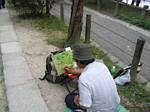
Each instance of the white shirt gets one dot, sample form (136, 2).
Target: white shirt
(97, 89)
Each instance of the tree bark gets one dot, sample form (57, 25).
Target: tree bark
(75, 26)
(47, 7)
(62, 10)
(14, 2)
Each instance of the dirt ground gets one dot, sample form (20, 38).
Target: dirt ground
(36, 50)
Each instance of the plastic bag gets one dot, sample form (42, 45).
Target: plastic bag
(124, 76)
(120, 108)
(66, 109)
(123, 79)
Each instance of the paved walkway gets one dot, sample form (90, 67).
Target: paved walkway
(116, 37)
(22, 91)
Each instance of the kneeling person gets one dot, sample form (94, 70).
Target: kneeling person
(97, 89)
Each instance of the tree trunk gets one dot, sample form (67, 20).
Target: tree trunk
(47, 7)
(62, 10)
(14, 2)
(75, 26)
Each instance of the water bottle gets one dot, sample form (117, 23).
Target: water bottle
(113, 71)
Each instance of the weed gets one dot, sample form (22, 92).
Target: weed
(134, 96)
(51, 24)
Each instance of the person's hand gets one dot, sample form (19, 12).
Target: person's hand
(67, 68)
(72, 70)
(76, 99)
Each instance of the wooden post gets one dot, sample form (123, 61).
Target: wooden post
(143, 13)
(62, 10)
(98, 3)
(88, 29)
(116, 8)
(136, 58)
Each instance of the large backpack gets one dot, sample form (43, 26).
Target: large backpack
(50, 73)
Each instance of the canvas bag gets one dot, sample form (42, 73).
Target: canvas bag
(55, 65)
(50, 73)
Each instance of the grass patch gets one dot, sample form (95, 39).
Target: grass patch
(55, 29)
(134, 97)
(134, 17)
(136, 21)
(57, 38)
(51, 23)
(100, 54)
(136, 91)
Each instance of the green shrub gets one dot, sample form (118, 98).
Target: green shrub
(32, 7)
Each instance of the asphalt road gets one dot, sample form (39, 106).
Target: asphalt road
(115, 37)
